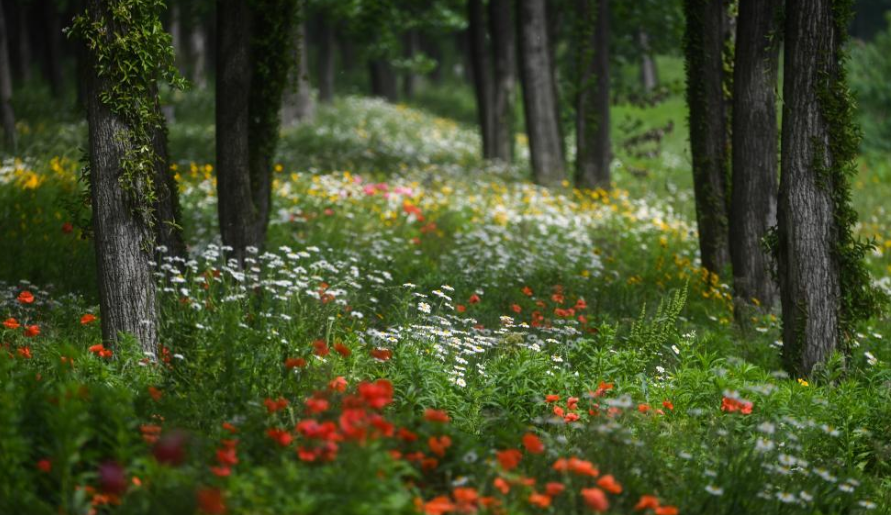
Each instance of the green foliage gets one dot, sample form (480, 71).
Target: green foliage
(652, 335)
(869, 72)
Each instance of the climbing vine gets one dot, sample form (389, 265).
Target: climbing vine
(131, 53)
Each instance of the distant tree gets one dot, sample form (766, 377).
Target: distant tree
(327, 42)
(709, 138)
(593, 149)
(52, 62)
(254, 42)
(298, 103)
(539, 94)
(482, 75)
(503, 39)
(128, 54)
(753, 203)
(6, 111)
(824, 286)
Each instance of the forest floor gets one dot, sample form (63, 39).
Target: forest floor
(423, 333)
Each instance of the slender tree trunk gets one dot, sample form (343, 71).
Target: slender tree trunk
(812, 175)
(176, 34)
(501, 27)
(465, 50)
(54, 47)
(298, 104)
(6, 112)
(347, 50)
(649, 75)
(482, 75)
(24, 43)
(754, 194)
(198, 54)
(326, 60)
(704, 45)
(121, 235)
(432, 48)
(539, 96)
(592, 111)
(168, 232)
(410, 81)
(237, 213)
(383, 80)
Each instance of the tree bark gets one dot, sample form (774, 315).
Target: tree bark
(501, 28)
(121, 235)
(383, 80)
(704, 45)
(482, 75)
(54, 47)
(753, 204)
(410, 81)
(6, 112)
(168, 231)
(539, 96)
(592, 110)
(298, 104)
(236, 210)
(176, 35)
(432, 48)
(809, 271)
(24, 43)
(326, 60)
(649, 75)
(198, 54)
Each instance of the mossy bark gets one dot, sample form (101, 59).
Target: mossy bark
(501, 28)
(593, 146)
(482, 75)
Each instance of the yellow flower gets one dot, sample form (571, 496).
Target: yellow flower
(802, 382)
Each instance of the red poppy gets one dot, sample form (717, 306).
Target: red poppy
(338, 384)
(438, 506)
(24, 352)
(315, 405)
(581, 304)
(647, 502)
(474, 299)
(280, 436)
(509, 459)
(731, 405)
(342, 349)
(516, 308)
(377, 394)
(32, 331)
(274, 405)
(643, 408)
(320, 348)
(552, 398)
(502, 485)
(554, 489)
(435, 415)
(533, 444)
(609, 483)
(227, 457)
(25, 297)
(210, 501)
(539, 500)
(572, 403)
(527, 291)
(602, 389)
(460, 308)
(11, 323)
(667, 405)
(291, 363)
(381, 354)
(88, 318)
(45, 466)
(100, 350)
(67, 227)
(595, 499)
(666, 510)
(438, 445)
(221, 471)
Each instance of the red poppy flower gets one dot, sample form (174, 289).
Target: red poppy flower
(552, 398)
(45, 466)
(666, 510)
(516, 308)
(11, 323)
(88, 318)
(320, 348)
(210, 501)
(502, 485)
(730, 405)
(439, 445)
(539, 500)
(315, 405)
(227, 457)
(32, 331)
(435, 415)
(602, 389)
(474, 299)
(647, 502)
(527, 291)
(155, 393)
(533, 444)
(24, 352)
(595, 499)
(280, 436)
(438, 506)
(67, 227)
(274, 405)
(554, 489)
(291, 363)
(509, 459)
(342, 349)
(338, 384)
(460, 308)
(609, 483)
(381, 354)
(25, 297)
(572, 403)
(667, 405)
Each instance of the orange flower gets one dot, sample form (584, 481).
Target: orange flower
(460, 308)
(32, 331)
(25, 297)
(552, 398)
(438, 506)
(731, 405)
(467, 499)
(338, 384)
(11, 323)
(539, 500)
(210, 501)
(100, 350)
(603, 388)
(291, 363)
(554, 489)
(25, 352)
(595, 499)
(229, 427)
(342, 349)
(155, 393)
(45, 466)
(502, 485)
(516, 308)
(509, 459)
(320, 348)
(280, 436)
(643, 408)
(647, 502)
(527, 291)
(576, 466)
(572, 403)
(439, 445)
(221, 471)
(435, 415)
(667, 405)
(381, 354)
(609, 483)
(666, 510)
(533, 444)
(88, 318)
(274, 405)
(474, 299)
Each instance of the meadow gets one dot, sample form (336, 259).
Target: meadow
(423, 333)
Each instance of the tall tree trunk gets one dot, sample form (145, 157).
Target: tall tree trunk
(410, 81)
(753, 204)
(501, 28)
(176, 34)
(54, 47)
(6, 112)
(326, 60)
(24, 43)
(298, 104)
(383, 80)
(815, 248)
(649, 75)
(539, 96)
(465, 50)
(704, 46)
(592, 111)
(347, 50)
(168, 232)
(432, 48)
(237, 213)
(482, 75)
(198, 54)
(121, 234)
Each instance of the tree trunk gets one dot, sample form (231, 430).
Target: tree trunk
(383, 80)
(754, 193)
(432, 48)
(410, 81)
(347, 50)
(649, 75)
(298, 104)
(198, 54)
(704, 45)
(539, 96)
(6, 112)
(464, 46)
(24, 43)
(236, 210)
(54, 47)
(121, 234)
(168, 232)
(176, 35)
(482, 75)
(808, 230)
(326, 60)
(501, 28)
(592, 111)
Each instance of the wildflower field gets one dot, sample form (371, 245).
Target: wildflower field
(423, 333)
